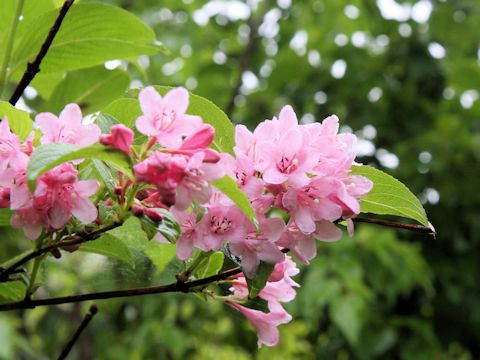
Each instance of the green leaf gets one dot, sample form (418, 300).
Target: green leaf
(131, 234)
(213, 115)
(124, 111)
(348, 313)
(48, 156)
(13, 290)
(19, 120)
(169, 228)
(91, 88)
(389, 196)
(105, 122)
(102, 172)
(160, 254)
(229, 187)
(110, 246)
(5, 215)
(90, 35)
(210, 265)
(260, 279)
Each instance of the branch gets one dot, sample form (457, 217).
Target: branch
(184, 287)
(86, 320)
(412, 227)
(71, 241)
(33, 67)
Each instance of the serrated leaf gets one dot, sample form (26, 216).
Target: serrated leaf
(169, 228)
(13, 290)
(229, 187)
(110, 246)
(90, 35)
(5, 215)
(256, 284)
(210, 265)
(91, 88)
(103, 172)
(389, 196)
(160, 254)
(19, 120)
(48, 156)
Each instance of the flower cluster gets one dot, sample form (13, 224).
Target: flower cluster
(59, 193)
(301, 173)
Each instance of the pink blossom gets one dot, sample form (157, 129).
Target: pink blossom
(195, 185)
(30, 220)
(120, 137)
(189, 238)
(10, 147)
(265, 323)
(165, 118)
(59, 194)
(254, 247)
(67, 128)
(165, 171)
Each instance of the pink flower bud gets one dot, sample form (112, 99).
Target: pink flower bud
(5, 198)
(137, 210)
(199, 140)
(153, 214)
(120, 137)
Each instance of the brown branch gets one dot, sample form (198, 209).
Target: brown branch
(71, 241)
(33, 67)
(86, 320)
(412, 227)
(184, 287)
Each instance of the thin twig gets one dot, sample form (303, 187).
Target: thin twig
(33, 67)
(412, 227)
(86, 320)
(73, 240)
(184, 287)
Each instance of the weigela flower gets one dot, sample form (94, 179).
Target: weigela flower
(67, 128)
(165, 118)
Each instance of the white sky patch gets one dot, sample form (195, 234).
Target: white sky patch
(21, 105)
(382, 40)
(341, 39)
(30, 93)
(269, 27)
(233, 10)
(387, 159)
(307, 118)
(431, 196)
(284, 4)
(172, 67)
(219, 57)
(404, 30)
(314, 58)
(391, 10)
(299, 42)
(359, 39)
(364, 147)
(267, 68)
(135, 84)
(421, 11)
(249, 82)
(369, 132)
(113, 64)
(320, 97)
(436, 50)
(351, 11)
(375, 94)
(468, 98)
(143, 61)
(448, 93)
(186, 51)
(338, 69)
(425, 157)
(191, 83)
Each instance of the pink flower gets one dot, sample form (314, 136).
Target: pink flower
(67, 128)
(59, 194)
(165, 118)
(120, 137)
(189, 237)
(30, 220)
(10, 147)
(195, 184)
(165, 171)
(265, 323)
(254, 247)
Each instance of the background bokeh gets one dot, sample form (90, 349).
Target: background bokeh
(404, 77)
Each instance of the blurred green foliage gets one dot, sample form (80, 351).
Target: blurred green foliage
(407, 87)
